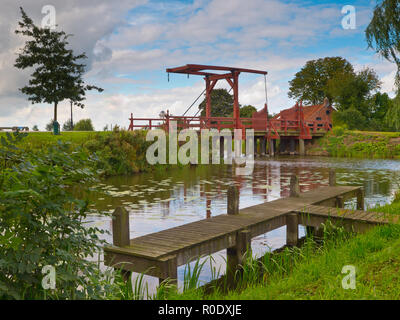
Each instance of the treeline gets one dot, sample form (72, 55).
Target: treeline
(355, 95)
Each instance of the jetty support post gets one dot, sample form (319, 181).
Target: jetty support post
(236, 255)
(294, 186)
(120, 230)
(170, 271)
(332, 178)
(360, 199)
(292, 229)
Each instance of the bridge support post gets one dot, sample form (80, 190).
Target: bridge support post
(120, 230)
(360, 199)
(292, 146)
(221, 147)
(255, 146)
(302, 151)
(282, 146)
(292, 229)
(263, 146)
(271, 147)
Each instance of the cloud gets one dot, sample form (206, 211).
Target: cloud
(130, 43)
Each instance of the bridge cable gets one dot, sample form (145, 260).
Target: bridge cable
(194, 102)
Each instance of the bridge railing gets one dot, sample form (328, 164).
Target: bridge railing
(274, 126)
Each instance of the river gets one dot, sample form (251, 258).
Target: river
(161, 200)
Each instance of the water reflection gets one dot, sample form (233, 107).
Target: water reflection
(162, 200)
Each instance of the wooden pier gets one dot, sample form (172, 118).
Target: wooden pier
(159, 254)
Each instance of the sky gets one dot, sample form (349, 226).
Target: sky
(130, 43)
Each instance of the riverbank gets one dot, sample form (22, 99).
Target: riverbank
(358, 144)
(117, 152)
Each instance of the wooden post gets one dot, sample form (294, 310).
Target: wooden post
(170, 271)
(360, 199)
(292, 146)
(233, 200)
(120, 227)
(292, 229)
(263, 146)
(221, 147)
(271, 147)
(332, 178)
(302, 151)
(294, 186)
(121, 237)
(339, 202)
(236, 255)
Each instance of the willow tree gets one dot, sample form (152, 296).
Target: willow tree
(383, 35)
(383, 32)
(57, 75)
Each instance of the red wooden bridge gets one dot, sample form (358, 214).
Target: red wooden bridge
(296, 123)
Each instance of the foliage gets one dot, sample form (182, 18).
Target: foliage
(221, 103)
(358, 144)
(383, 32)
(44, 224)
(247, 111)
(353, 90)
(310, 83)
(392, 117)
(352, 118)
(84, 125)
(35, 128)
(120, 152)
(49, 126)
(58, 75)
(68, 126)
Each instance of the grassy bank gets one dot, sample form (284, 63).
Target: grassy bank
(315, 272)
(115, 152)
(363, 144)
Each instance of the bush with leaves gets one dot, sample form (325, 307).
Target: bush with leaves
(84, 125)
(120, 152)
(43, 223)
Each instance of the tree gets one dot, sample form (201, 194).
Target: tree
(67, 126)
(247, 111)
(50, 125)
(84, 125)
(383, 32)
(310, 83)
(221, 103)
(392, 117)
(353, 89)
(57, 75)
(35, 128)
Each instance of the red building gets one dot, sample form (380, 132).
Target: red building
(318, 116)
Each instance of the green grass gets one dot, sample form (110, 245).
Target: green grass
(362, 144)
(315, 272)
(39, 140)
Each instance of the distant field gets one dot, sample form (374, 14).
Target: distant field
(38, 140)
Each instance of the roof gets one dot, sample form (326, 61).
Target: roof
(308, 111)
(199, 69)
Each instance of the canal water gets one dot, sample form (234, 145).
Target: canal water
(162, 200)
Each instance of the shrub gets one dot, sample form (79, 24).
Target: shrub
(84, 125)
(42, 223)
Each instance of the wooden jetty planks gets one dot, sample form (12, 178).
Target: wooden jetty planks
(182, 244)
